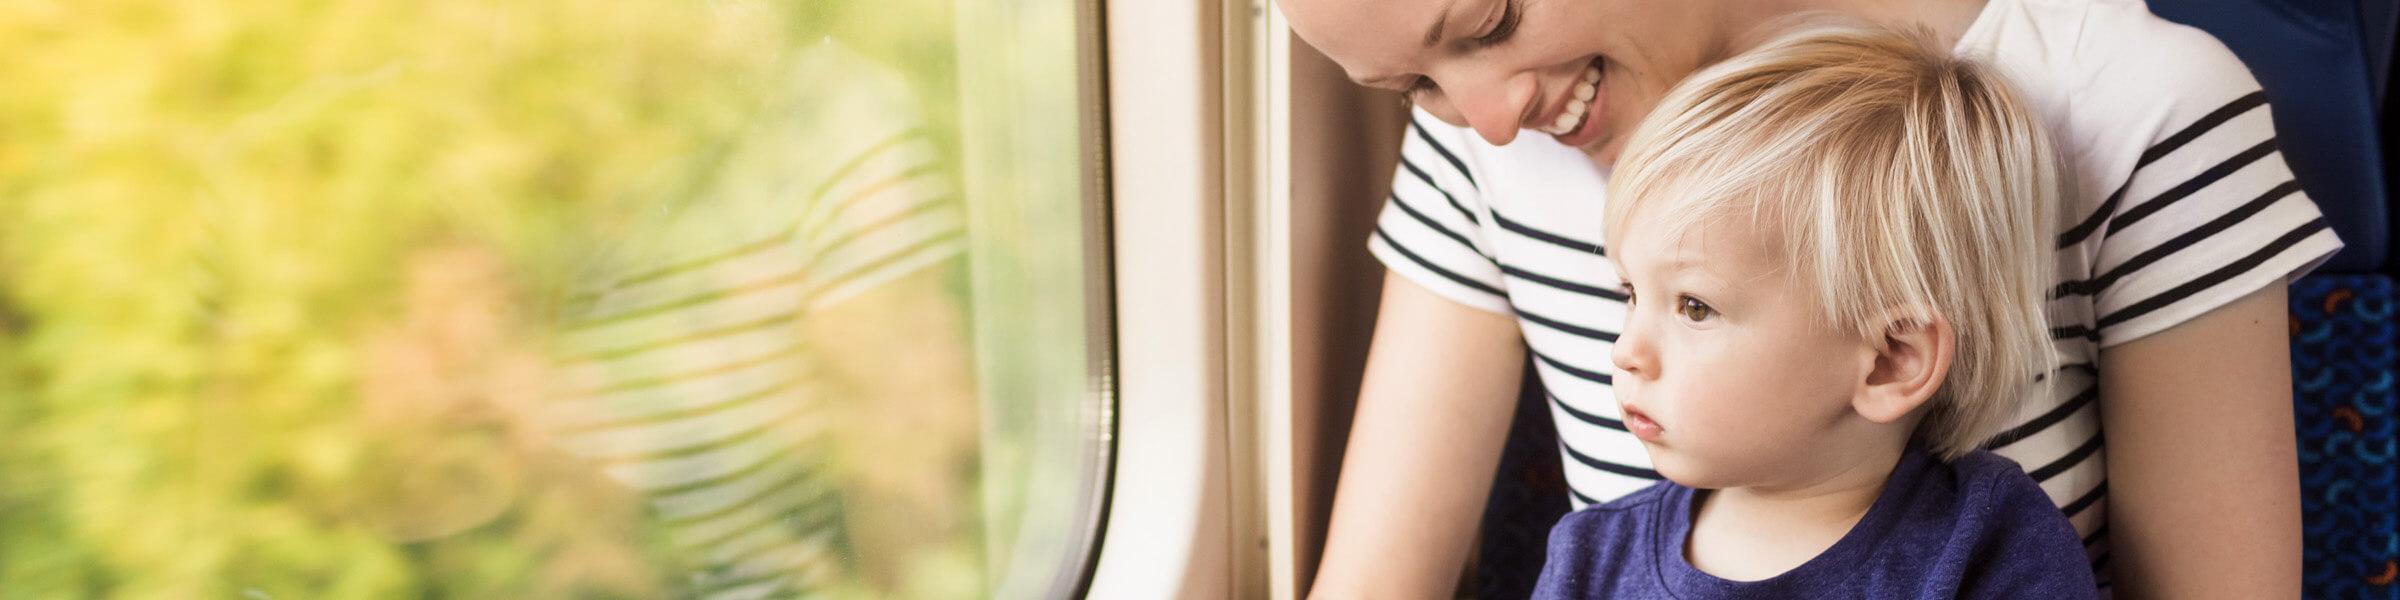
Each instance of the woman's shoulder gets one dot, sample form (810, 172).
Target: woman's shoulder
(2113, 56)
(2118, 86)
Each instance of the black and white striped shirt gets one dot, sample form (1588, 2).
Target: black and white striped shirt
(2182, 204)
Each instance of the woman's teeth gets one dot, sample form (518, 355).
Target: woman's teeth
(1584, 92)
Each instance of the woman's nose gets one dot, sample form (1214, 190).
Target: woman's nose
(1495, 107)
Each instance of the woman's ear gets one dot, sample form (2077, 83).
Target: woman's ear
(1909, 368)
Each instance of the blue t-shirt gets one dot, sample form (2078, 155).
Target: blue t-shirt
(1977, 527)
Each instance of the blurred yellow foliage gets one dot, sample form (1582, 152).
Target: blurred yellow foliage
(272, 275)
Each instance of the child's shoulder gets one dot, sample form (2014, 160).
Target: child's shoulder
(1620, 514)
(1983, 464)
(1995, 494)
(1984, 473)
(1978, 526)
(1595, 552)
(1642, 500)
(2010, 540)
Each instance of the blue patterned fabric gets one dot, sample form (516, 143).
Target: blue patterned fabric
(2343, 364)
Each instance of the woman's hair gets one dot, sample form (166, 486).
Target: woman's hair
(1903, 182)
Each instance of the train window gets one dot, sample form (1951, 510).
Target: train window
(551, 298)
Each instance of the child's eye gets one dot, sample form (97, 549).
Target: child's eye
(1694, 309)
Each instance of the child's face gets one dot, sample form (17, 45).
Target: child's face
(1727, 371)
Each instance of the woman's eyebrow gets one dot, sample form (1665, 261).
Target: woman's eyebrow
(1381, 82)
(1433, 35)
(1368, 82)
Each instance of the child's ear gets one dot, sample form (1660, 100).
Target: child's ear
(1909, 368)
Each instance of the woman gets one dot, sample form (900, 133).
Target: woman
(2182, 226)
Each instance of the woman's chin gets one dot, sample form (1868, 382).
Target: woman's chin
(1604, 153)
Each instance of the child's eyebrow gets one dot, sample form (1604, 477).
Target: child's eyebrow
(1678, 265)
(1688, 272)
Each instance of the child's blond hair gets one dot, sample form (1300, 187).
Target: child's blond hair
(1903, 181)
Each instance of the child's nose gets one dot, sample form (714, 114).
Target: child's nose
(1632, 354)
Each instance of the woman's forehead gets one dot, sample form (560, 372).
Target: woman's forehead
(1372, 39)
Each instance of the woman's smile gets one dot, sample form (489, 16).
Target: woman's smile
(1581, 105)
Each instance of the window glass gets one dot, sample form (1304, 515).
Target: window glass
(548, 298)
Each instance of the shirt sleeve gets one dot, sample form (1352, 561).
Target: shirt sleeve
(889, 206)
(890, 215)
(1430, 230)
(2210, 212)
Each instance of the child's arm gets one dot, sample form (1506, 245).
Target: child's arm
(2204, 498)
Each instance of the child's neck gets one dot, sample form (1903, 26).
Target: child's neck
(1758, 532)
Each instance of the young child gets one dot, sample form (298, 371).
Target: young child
(1834, 247)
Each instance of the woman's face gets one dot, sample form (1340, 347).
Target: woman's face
(1500, 66)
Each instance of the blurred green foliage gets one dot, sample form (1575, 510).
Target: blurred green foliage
(273, 277)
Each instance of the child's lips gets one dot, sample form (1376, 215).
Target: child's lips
(1641, 426)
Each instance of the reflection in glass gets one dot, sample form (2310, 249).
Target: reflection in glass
(712, 299)
(789, 312)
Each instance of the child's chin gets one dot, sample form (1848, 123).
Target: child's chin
(1684, 471)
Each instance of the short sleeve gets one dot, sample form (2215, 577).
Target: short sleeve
(2210, 212)
(680, 360)
(1430, 230)
(891, 214)
(829, 193)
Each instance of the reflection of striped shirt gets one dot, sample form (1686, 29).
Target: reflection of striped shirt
(2183, 205)
(689, 381)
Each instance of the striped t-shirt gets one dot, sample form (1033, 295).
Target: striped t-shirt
(2180, 204)
(686, 377)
